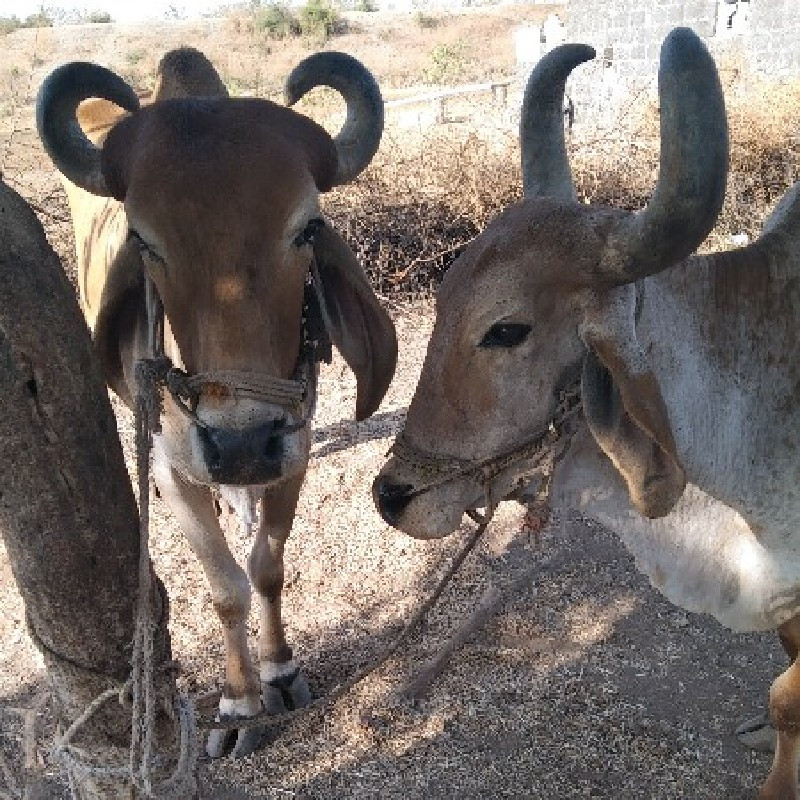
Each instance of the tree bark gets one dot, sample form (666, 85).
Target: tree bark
(67, 510)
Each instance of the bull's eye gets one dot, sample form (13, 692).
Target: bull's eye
(306, 236)
(505, 334)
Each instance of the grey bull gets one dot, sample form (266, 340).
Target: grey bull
(687, 367)
(207, 207)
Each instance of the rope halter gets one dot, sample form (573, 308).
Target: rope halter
(441, 470)
(295, 394)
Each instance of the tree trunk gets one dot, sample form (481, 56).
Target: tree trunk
(67, 511)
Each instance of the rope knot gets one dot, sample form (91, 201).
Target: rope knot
(151, 373)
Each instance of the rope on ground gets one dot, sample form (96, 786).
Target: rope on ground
(271, 720)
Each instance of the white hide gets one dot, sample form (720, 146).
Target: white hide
(724, 345)
(703, 556)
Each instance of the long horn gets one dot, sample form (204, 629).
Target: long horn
(693, 170)
(545, 168)
(358, 140)
(56, 106)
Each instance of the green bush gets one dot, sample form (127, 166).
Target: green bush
(133, 57)
(424, 20)
(276, 21)
(99, 16)
(39, 20)
(448, 62)
(366, 5)
(319, 19)
(9, 24)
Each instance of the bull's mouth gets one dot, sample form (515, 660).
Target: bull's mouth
(426, 495)
(435, 511)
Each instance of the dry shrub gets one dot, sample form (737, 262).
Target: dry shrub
(420, 203)
(425, 197)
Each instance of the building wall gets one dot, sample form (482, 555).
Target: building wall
(774, 39)
(765, 33)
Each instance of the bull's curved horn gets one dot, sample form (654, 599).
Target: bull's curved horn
(358, 140)
(545, 168)
(56, 106)
(693, 169)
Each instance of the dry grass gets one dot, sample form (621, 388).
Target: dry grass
(429, 192)
(423, 199)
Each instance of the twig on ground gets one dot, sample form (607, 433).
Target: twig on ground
(264, 719)
(490, 604)
(399, 276)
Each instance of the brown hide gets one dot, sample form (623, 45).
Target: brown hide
(231, 277)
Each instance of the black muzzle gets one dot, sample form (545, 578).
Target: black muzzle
(247, 457)
(391, 499)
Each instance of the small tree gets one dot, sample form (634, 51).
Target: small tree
(99, 17)
(276, 21)
(320, 20)
(68, 515)
(41, 19)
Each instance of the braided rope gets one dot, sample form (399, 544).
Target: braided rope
(181, 783)
(142, 761)
(441, 470)
(257, 385)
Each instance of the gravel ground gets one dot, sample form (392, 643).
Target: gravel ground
(586, 684)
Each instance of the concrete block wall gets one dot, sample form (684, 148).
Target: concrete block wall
(636, 28)
(629, 34)
(773, 42)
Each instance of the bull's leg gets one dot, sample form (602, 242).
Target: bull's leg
(784, 712)
(282, 684)
(757, 732)
(230, 593)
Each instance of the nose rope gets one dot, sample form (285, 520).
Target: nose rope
(441, 470)
(294, 394)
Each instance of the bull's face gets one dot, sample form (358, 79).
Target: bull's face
(504, 344)
(221, 199)
(546, 294)
(230, 266)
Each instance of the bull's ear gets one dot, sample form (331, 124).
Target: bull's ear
(97, 117)
(358, 325)
(119, 150)
(120, 301)
(626, 414)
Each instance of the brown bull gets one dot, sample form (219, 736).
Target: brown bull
(214, 203)
(687, 367)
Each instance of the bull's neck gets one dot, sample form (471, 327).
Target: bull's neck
(709, 326)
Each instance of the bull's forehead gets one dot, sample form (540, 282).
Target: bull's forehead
(206, 160)
(532, 245)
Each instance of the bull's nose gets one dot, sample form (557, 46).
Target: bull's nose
(391, 499)
(250, 456)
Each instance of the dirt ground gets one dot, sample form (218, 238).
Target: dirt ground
(586, 684)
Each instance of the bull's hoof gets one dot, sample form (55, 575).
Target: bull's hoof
(757, 734)
(237, 742)
(283, 688)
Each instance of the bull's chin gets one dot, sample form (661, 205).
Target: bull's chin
(429, 523)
